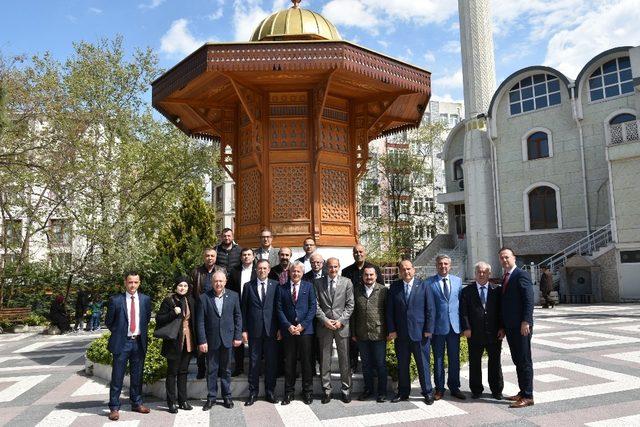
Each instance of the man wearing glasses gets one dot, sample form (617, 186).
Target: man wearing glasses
(266, 250)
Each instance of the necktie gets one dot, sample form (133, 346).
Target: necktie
(295, 294)
(483, 297)
(332, 288)
(505, 282)
(407, 291)
(263, 292)
(132, 320)
(446, 288)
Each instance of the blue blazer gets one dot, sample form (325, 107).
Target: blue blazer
(215, 330)
(260, 317)
(517, 301)
(302, 312)
(410, 319)
(447, 312)
(118, 321)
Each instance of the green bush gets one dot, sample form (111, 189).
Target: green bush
(155, 365)
(36, 320)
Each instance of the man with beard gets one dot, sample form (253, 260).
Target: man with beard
(228, 252)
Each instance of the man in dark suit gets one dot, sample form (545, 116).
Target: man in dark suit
(260, 330)
(318, 269)
(280, 273)
(445, 289)
(410, 322)
(517, 316)
(297, 305)
(240, 276)
(354, 273)
(266, 250)
(219, 323)
(309, 247)
(128, 320)
(481, 323)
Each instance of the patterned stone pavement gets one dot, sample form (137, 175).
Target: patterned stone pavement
(586, 360)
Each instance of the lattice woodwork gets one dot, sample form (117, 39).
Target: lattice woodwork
(288, 98)
(291, 134)
(334, 137)
(290, 192)
(335, 195)
(249, 203)
(334, 114)
(288, 111)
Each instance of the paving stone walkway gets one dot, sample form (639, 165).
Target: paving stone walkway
(586, 361)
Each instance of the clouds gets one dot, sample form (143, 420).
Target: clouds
(151, 5)
(448, 81)
(178, 40)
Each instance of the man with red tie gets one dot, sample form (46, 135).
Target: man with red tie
(128, 320)
(517, 316)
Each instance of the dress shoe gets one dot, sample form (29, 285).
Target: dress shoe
(497, 396)
(399, 398)
(208, 405)
(227, 402)
(237, 372)
(114, 415)
(429, 399)
(364, 395)
(476, 395)
(251, 400)
(271, 399)
(437, 395)
(513, 398)
(458, 394)
(522, 403)
(346, 398)
(185, 405)
(307, 399)
(326, 398)
(173, 408)
(141, 409)
(287, 399)
(381, 399)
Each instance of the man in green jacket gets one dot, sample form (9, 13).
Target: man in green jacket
(369, 329)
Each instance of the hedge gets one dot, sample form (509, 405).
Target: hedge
(392, 360)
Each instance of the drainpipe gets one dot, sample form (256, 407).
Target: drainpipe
(496, 185)
(572, 87)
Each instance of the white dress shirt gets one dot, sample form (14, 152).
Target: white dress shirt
(410, 286)
(295, 286)
(266, 287)
(368, 290)
(245, 276)
(307, 263)
(137, 305)
(486, 291)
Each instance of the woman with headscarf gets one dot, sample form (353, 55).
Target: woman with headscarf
(178, 352)
(58, 314)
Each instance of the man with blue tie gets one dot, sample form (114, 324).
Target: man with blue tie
(446, 289)
(297, 305)
(410, 319)
(219, 326)
(128, 320)
(260, 330)
(517, 316)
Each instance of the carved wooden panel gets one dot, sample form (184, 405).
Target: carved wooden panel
(336, 229)
(288, 111)
(335, 114)
(245, 137)
(288, 134)
(288, 98)
(335, 195)
(290, 228)
(334, 137)
(290, 192)
(249, 197)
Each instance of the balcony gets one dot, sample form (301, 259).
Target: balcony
(620, 133)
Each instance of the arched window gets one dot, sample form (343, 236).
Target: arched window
(537, 146)
(612, 78)
(534, 92)
(621, 118)
(458, 174)
(542, 208)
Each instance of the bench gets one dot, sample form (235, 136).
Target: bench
(14, 314)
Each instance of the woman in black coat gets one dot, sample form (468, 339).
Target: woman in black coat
(179, 351)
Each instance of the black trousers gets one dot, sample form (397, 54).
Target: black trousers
(294, 345)
(496, 382)
(521, 355)
(238, 357)
(177, 370)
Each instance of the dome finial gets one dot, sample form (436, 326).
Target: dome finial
(296, 3)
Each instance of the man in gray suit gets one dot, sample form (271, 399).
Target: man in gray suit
(335, 305)
(266, 250)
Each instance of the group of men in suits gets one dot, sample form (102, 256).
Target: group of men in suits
(266, 304)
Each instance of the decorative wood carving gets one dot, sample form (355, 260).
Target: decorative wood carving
(249, 200)
(290, 228)
(344, 230)
(334, 137)
(288, 134)
(335, 195)
(290, 199)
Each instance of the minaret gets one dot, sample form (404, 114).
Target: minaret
(478, 72)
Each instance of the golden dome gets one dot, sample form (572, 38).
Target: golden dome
(295, 23)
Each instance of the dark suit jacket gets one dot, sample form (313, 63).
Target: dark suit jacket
(260, 317)
(172, 349)
(517, 300)
(215, 330)
(235, 277)
(118, 321)
(410, 319)
(483, 323)
(352, 273)
(302, 312)
(310, 276)
(274, 274)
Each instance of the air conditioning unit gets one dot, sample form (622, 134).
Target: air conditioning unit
(461, 184)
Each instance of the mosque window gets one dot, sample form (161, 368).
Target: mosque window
(534, 92)
(457, 170)
(537, 146)
(611, 79)
(542, 208)
(621, 118)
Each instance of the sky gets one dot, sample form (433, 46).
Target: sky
(563, 34)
